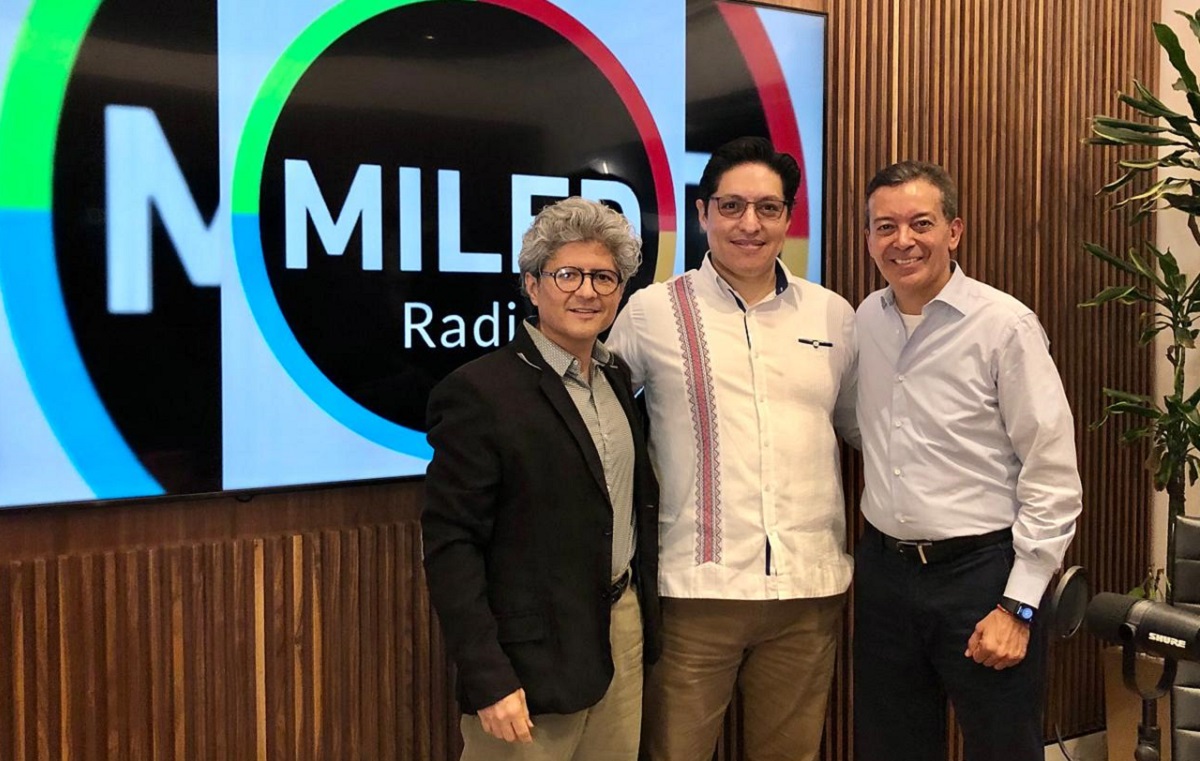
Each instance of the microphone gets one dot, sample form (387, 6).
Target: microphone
(1152, 627)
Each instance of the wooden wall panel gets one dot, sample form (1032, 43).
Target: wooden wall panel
(296, 626)
(999, 93)
(312, 645)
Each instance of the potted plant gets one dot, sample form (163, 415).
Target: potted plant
(1168, 168)
(1169, 298)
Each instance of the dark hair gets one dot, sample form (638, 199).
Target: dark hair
(750, 150)
(905, 172)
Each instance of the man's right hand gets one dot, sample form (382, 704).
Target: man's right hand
(508, 719)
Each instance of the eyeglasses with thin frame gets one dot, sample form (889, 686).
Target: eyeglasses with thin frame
(733, 207)
(570, 279)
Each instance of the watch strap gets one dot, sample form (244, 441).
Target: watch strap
(1021, 611)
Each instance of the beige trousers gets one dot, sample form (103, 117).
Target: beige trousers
(608, 731)
(779, 652)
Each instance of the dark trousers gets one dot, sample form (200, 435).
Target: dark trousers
(911, 626)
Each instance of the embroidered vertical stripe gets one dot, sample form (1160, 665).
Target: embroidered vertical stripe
(697, 370)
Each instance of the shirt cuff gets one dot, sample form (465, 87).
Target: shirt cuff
(1027, 582)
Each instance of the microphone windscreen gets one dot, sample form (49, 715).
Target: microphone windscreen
(1107, 612)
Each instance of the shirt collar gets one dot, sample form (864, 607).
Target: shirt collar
(559, 359)
(956, 293)
(782, 277)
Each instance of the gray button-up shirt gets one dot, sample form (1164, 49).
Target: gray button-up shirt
(605, 419)
(966, 428)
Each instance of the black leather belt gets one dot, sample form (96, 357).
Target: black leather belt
(618, 588)
(927, 551)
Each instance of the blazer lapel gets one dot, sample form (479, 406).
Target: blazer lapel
(552, 386)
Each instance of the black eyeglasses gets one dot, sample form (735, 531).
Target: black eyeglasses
(570, 279)
(734, 207)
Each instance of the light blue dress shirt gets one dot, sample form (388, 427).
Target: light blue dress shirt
(966, 428)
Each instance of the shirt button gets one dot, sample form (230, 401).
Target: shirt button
(895, 471)
(901, 519)
(899, 378)
(899, 423)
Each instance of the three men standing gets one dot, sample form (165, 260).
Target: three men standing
(540, 524)
(971, 497)
(542, 506)
(746, 370)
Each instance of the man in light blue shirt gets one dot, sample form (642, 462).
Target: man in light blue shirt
(972, 491)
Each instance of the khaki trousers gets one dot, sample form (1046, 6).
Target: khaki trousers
(779, 652)
(608, 731)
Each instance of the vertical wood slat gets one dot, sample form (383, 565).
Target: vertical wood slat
(1009, 86)
(296, 646)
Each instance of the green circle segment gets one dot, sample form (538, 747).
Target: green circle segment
(278, 86)
(33, 93)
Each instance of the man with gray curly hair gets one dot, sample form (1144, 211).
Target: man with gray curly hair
(540, 523)
(573, 220)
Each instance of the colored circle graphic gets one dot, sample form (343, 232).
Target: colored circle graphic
(274, 134)
(30, 120)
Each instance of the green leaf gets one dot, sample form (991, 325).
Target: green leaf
(1133, 434)
(1162, 474)
(1170, 43)
(1120, 182)
(1193, 291)
(1111, 293)
(1193, 20)
(1103, 255)
(1132, 126)
(1182, 125)
(1194, 399)
(1143, 166)
(1180, 158)
(1166, 262)
(1148, 103)
(1125, 396)
(1147, 335)
(1151, 195)
(1144, 269)
(1188, 204)
(1174, 158)
(1184, 338)
(1119, 136)
(1191, 416)
(1135, 408)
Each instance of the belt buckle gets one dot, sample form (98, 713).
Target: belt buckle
(919, 546)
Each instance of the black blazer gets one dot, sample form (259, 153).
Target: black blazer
(517, 530)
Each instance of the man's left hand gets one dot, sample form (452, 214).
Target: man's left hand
(999, 641)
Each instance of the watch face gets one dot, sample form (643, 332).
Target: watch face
(1019, 610)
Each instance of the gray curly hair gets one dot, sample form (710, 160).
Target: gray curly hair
(577, 219)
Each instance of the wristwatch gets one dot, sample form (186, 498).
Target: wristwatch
(1018, 610)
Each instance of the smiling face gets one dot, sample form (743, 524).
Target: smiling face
(744, 249)
(910, 240)
(574, 320)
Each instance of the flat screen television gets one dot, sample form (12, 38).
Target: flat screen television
(241, 240)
